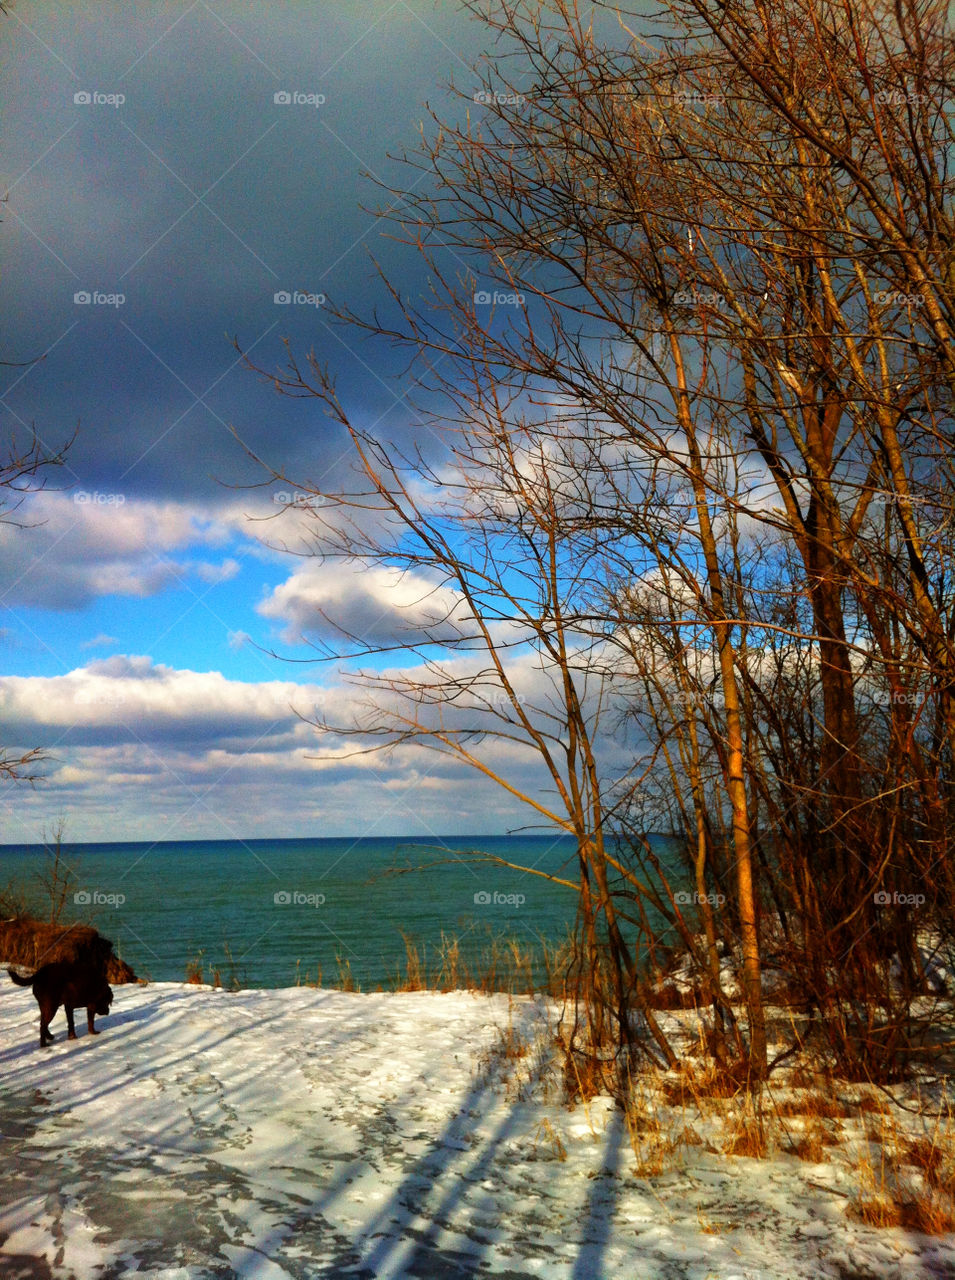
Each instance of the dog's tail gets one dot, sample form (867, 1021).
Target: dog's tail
(21, 982)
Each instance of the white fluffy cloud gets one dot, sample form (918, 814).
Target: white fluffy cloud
(78, 546)
(138, 750)
(124, 699)
(71, 547)
(376, 604)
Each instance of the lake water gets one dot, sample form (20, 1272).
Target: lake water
(289, 908)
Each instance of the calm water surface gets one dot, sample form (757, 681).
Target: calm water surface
(287, 908)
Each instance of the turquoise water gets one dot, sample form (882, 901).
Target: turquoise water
(287, 908)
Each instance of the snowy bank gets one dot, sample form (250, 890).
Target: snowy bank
(307, 1133)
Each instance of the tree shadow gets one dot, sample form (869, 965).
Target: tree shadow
(602, 1201)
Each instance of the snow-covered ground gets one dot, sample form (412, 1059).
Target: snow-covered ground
(305, 1133)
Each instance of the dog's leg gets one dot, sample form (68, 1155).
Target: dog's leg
(46, 1013)
(69, 1021)
(90, 1012)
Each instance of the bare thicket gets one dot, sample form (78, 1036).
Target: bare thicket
(694, 503)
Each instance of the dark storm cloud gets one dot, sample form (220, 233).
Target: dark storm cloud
(195, 200)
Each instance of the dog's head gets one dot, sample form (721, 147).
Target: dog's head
(104, 998)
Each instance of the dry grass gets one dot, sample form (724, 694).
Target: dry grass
(935, 1161)
(657, 1147)
(902, 1181)
(345, 980)
(501, 965)
(525, 1067)
(656, 1158)
(547, 1133)
(414, 977)
(700, 1086)
(706, 1226)
(656, 1151)
(804, 1077)
(911, 1183)
(924, 1211)
(748, 1137)
(583, 1075)
(871, 1102)
(306, 979)
(815, 1104)
(512, 1046)
(195, 971)
(31, 943)
(811, 1143)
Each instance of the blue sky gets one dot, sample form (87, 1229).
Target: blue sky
(159, 196)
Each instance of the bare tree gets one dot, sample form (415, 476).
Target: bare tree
(689, 346)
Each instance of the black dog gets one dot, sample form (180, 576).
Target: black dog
(72, 986)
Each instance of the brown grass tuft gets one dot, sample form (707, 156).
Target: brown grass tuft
(748, 1139)
(583, 1072)
(816, 1104)
(936, 1162)
(922, 1199)
(871, 1102)
(31, 943)
(811, 1144)
(547, 1132)
(927, 1213)
(346, 981)
(694, 1085)
(875, 1211)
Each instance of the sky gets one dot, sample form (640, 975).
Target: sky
(173, 173)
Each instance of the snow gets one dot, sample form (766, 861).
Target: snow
(309, 1133)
